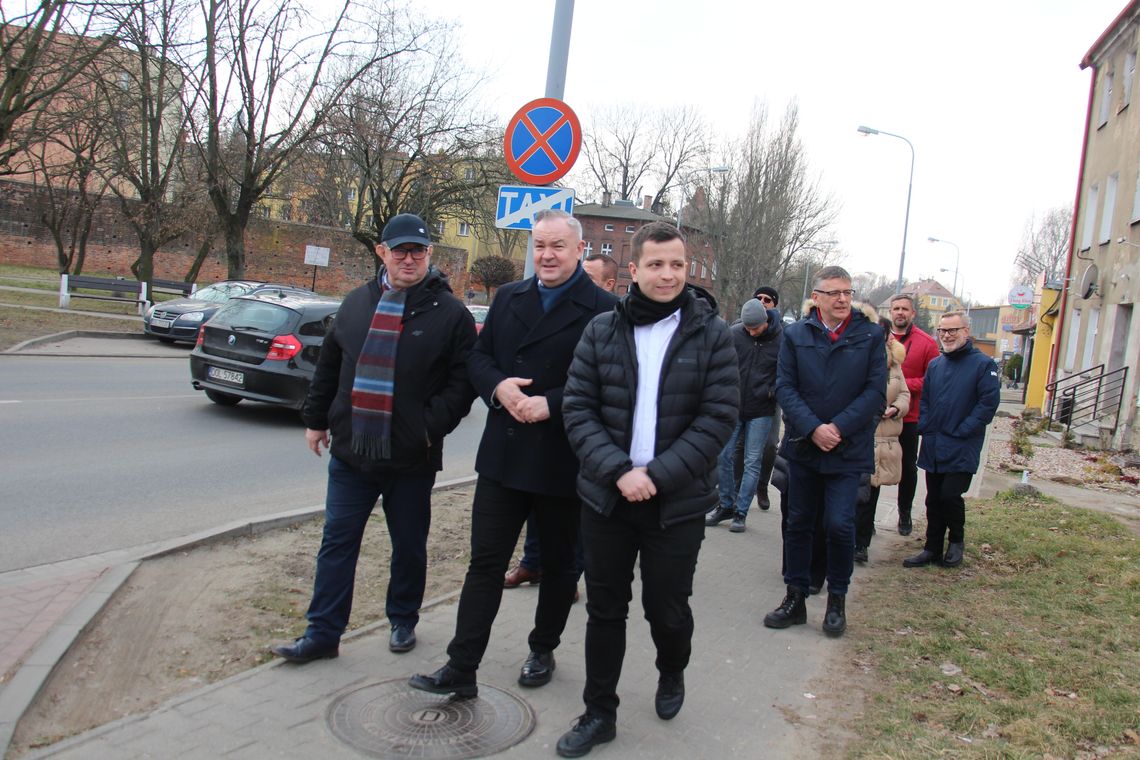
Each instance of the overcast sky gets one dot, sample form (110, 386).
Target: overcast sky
(990, 94)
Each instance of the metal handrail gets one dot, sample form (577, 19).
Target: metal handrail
(1081, 398)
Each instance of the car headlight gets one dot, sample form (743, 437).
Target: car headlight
(192, 316)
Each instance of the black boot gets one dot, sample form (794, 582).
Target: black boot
(905, 525)
(792, 611)
(767, 462)
(953, 556)
(835, 619)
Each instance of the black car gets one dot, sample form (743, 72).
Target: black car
(179, 319)
(262, 347)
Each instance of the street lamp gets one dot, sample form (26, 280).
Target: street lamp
(957, 256)
(910, 185)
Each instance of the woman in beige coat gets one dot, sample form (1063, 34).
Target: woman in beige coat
(888, 452)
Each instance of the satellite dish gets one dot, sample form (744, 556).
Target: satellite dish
(1088, 282)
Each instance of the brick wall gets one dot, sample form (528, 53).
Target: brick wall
(275, 250)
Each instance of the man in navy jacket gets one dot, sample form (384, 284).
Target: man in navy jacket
(831, 384)
(960, 394)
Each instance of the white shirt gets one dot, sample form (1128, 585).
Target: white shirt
(651, 341)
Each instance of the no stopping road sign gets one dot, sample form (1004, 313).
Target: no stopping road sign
(542, 141)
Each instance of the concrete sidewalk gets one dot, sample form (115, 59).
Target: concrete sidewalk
(749, 689)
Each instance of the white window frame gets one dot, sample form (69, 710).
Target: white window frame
(1136, 198)
(1109, 204)
(608, 249)
(587, 250)
(609, 228)
(630, 228)
(1129, 78)
(464, 229)
(1106, 97)
(1074, 339)
(439, 227)
(704, 272)
(1092, 195)
(693, 268)
(1090, 338)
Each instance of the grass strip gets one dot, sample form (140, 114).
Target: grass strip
(1030, 649)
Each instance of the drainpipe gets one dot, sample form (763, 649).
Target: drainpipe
(1060, 325)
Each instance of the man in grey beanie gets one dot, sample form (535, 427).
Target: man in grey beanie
(757, 337)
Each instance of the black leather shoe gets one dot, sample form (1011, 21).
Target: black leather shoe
(403, 639)
(537, 670)
(446, 680)
(670, 695)
(719, 515)
(305, 650)
(922, 559)
(861, 555)
(792, 611)
(835, 619)
(905, 526)
(590, 730)
(953, 556)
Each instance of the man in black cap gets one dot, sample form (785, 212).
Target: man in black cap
(390, 383)
(757, 338)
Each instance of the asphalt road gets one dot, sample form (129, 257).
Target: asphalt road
(109, 453)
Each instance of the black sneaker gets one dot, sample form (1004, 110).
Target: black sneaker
(588, 731)
(737, 523)
(719, 515)
(835, 619)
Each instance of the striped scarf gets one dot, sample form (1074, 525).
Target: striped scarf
(374, 386)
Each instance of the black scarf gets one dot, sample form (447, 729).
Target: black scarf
(643, 310)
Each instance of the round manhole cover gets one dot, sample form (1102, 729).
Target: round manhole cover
(391, 719)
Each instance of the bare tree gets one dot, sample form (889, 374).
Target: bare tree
(628, 149)
(766, 215)
(42, 51)
(873, 288)
(270, 85)
(1044, 246)
(408, 138)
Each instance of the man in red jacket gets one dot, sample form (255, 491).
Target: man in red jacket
(920, 350)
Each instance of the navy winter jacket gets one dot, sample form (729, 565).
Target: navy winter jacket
(842, 382)
(959, 397)
(757, 357)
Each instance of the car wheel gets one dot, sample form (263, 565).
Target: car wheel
(222, 399)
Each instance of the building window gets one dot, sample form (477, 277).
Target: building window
(464, 229)
(1109, 205)
(1074, 338)
(629, 228)
(469, 174)
(609, 228)
(704, 272)
(439, 228)
(1106, 96)
(587, 250)
(1091, 198)
(1129, 77)
(1090, 338)
(350, 194)
(607, 249)
(1136, 198)
(693, 268)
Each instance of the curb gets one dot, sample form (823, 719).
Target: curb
(19, 348)
(19, 694)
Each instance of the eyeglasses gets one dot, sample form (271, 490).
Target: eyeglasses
(835, 293)
(949, 331)
(765, 299)
(417, 253)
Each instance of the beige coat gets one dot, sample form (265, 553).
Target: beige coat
(888, 452)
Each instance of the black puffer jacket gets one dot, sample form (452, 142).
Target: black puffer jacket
(697, 408)
(757, 358)
(432, 390)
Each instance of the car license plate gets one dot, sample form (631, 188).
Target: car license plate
(225, 376)
(163, 323)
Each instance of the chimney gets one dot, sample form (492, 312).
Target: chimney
(605, 198)
(647, 203)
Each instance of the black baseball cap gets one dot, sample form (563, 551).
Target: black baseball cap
(405, 228)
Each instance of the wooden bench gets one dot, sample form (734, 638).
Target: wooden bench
(113, 290)
(173, 286)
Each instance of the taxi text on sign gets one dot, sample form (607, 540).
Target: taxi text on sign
(519, 203)
(542, 141)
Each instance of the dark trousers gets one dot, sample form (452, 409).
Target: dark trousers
(945, 508)
(908, 440)
(350, 499)
(498, 514)
(809, 492)
(865, 518)
(818, 545)
(668, 561)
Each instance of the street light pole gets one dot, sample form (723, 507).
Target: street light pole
(909, 187)
(957, 256)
